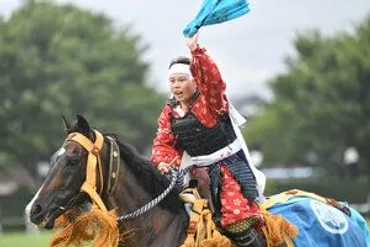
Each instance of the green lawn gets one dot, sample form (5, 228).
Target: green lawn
(24, 240)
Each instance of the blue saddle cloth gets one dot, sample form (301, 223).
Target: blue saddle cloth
(322, 225)
(214, 12)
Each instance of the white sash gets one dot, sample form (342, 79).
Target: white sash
(238, 121)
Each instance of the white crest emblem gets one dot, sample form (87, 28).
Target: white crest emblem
(330, 218)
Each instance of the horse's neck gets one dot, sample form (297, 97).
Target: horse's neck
(158, 226)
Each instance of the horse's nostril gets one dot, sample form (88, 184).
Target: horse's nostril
(36, 209)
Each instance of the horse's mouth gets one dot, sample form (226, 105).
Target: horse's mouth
(49, 221)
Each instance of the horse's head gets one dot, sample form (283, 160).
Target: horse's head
(62, 186)
(110, 176)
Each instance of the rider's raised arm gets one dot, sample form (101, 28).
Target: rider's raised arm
(209, 81)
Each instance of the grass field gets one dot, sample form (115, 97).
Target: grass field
(23, 240)
(42, 240)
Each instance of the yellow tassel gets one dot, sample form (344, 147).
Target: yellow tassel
(217, 240)
(189, 242)
(277, 229)
(95, 225)
(214, 237)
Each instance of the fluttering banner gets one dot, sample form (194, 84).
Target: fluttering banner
(215, 12)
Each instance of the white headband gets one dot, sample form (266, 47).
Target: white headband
(179, 68)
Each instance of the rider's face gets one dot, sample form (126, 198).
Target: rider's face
(182, 86)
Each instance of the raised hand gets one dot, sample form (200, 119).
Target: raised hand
(192, 42)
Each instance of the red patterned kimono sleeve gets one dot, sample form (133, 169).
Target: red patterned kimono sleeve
(209, 81)
(164, 143)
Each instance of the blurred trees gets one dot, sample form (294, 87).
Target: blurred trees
(321, 105)
(59, 59)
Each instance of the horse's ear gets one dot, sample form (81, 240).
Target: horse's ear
(66, 125)
(82, 124)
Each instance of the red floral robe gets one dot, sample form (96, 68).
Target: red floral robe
(210, 104)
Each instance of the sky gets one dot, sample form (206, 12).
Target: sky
(248, 50)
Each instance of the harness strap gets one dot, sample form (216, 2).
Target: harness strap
(93, 149)
(114, 166)
(195, 222)
(201, 230)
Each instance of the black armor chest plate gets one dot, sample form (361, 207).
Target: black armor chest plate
(196, 139)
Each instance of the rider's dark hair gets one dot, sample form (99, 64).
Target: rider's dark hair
(181, 59)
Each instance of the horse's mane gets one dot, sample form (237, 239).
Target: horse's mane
(150, 178)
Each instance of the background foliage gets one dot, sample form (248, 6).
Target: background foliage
(60, 59)
(321, 104)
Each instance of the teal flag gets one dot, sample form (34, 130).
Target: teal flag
(216, 11)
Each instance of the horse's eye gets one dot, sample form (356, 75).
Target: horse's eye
(73, 161)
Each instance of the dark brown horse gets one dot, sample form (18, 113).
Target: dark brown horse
(138, 183)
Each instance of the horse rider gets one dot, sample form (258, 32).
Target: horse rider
(199, 126)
